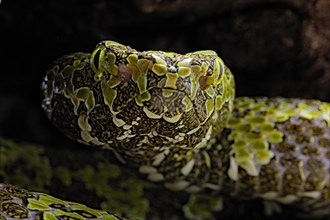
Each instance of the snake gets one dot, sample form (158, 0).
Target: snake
(174, 120)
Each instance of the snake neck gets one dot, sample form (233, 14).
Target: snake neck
(276, 149)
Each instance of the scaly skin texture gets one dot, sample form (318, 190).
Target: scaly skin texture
(279, 150)
(167, 116)
(132, 102)
(18, 203)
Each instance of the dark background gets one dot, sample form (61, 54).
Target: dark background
(274, 48)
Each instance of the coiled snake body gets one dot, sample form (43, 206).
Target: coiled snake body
(174, 119)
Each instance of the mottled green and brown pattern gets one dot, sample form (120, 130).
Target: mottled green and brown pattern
(16, 203)
(173, 118)
(279, 150)
(118, 95)
(160, 112)
(151, 108)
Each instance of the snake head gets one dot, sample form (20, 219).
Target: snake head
(139, 103)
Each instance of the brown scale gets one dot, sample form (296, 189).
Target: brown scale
(323, 203)
(316, 131)
(171, 165)
(221, 158)
(198, 176)
(99, 111)
(100, 129)
(99, 100)
(183, 84)
(155, 81)
(246, 184)
(219, 164)
(14, 210)
(17, 192)
(63, 117)
(167, 59)
(293, 129)
(212, 174)
(292, 178)
(160, 83)
(129, 113)
(191, 139)
(102, 125)
(174, 104)
(304, 122)
(164, 129)
(156, 103)
(315, 180)
(196, 137)
(144, 124)
(190, 122)
(178, 58)
(147, 55)
(325, 193)
(199, 106)
(285, 147)
(5, 195)
(289, 160)
(324, 142)
(314, 164)
(303, 139)
(310, 151)
(317, 175)
(120, 51)
(327, 154)
(269, 177)
(83, 78)
(125, 93)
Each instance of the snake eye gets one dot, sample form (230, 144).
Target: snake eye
(96, 59)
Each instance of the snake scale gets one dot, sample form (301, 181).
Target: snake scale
(174, 119)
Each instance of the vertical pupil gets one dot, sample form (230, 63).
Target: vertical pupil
(96, 59)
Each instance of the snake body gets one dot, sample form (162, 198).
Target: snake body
(174, 119)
